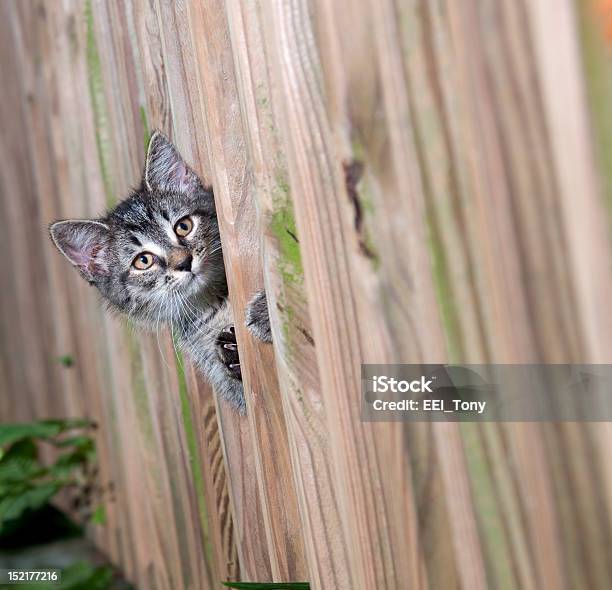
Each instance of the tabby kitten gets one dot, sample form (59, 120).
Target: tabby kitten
(156, 257)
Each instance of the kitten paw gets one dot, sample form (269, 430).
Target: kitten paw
(227, 350)
(257, 318)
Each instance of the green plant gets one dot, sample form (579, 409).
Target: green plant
(80, 575)
(268, 585)
(26, 484)
(84, 575)
(65, 360)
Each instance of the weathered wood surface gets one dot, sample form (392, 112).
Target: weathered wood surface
(82, 145)
(413, 181)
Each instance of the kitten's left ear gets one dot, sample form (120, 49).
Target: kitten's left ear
(85, 243)
(165, 170)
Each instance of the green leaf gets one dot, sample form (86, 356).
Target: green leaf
(99, 515)
(268, 585)
(84, 576)
(66, 360)
(83, 446)
(10, 433)
(20, 469)
(25, 483)
(25, 448)
(44, 429)
(67, 464)
(69, 423)
(12, 506)
(79, 442)
(20, 464)
(80, 575)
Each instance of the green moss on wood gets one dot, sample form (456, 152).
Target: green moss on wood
(444, 292)
(66, 360)
(282, 225)
(194, 455)
(98, 104)
(597, 59)
(289, 261)
(139, 387)
(357, 148)
(498, 553)
(266, 115)
(145, 128)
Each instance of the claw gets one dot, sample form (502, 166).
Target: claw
(230, 346)
(235, 369)
(229, 330)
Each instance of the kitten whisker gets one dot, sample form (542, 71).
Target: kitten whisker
(131, 255)
(158, 342)
(206, 336)
(176, 352)
(195, 319)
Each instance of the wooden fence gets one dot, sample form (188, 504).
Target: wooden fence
(413, 181)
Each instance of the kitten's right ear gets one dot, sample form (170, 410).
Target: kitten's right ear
(85, 243)
(165, 170)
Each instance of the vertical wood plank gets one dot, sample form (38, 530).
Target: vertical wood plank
(231, 179)
(368, 460)
(431, 183)
(303, 403)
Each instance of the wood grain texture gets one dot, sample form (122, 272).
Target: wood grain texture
(412, 181)
(232, 181)
(86, 148)
(368, 462)
(303, 403)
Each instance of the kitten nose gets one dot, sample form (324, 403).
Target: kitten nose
(181, 261)
(185, 264)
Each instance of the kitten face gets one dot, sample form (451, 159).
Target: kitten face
(164, 248)
(159, 250)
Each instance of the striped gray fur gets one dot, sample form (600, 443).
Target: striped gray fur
(145, 268)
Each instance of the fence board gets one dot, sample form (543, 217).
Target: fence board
(231, 178)
(362, 455)
(426, 181)
(296, 361)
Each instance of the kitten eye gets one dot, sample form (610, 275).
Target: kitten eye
(143, 261)
(183, 227)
